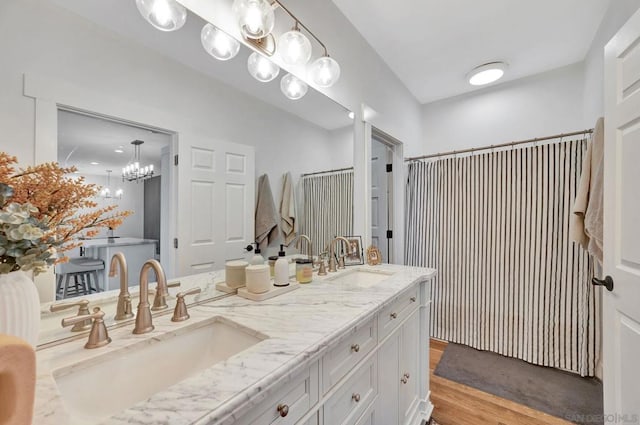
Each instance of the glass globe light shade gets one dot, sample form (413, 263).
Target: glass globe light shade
(294, 48)
(325, 71)
(261, 68)
(293, 87)
(219, 44)
(255, 17)
(165, 15)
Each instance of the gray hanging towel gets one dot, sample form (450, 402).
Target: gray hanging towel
(288, 210)
(266, 214)
(587, 223)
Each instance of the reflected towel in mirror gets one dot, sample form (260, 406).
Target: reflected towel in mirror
(288, 210)
(266, 214)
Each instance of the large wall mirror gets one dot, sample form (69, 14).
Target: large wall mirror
(107, 79)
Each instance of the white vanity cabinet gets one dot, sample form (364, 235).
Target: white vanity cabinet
(376, 374)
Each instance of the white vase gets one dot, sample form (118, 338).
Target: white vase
(19, 307)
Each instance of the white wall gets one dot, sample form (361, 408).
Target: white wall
(618, 13)
(541, 105)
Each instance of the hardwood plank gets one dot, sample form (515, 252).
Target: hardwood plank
(458, 404)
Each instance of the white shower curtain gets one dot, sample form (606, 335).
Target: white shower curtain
(327, 208)
(496, 226)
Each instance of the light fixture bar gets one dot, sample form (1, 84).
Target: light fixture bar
(277, 2)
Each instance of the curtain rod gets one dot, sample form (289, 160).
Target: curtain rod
(327, 172)
(520, 142)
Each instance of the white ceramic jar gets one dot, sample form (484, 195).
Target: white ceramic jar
(258, 279)
(235, 273)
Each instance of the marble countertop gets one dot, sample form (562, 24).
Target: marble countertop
(106, 242)
(300, 326)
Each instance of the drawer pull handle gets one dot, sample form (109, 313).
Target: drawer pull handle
(356, 397)
(404, 380)
(394, 315)
(355, 348)
(283, 409)
(412, 299)
(406, 375)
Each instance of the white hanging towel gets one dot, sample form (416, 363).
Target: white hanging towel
(266, 214)
(288, 210)
(587, 222)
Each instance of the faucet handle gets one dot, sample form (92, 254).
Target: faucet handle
(98, 337)
(180, 312)
(83, 310)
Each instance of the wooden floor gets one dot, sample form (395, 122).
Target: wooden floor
(457, 404)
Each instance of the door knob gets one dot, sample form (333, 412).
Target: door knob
(607, 282)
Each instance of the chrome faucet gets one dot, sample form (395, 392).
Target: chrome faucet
(144, 322)
(296, 242)
(124, 309)
(332, 257)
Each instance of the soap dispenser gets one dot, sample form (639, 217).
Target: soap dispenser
(257, 259)
(281, 267)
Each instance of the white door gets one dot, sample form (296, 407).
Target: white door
(379, 197)
(216, 185)
(621, 308)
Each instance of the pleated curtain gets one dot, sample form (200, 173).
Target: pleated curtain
(327, 208)
(510, 280)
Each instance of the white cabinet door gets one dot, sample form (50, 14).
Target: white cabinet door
(621, 307)
(215, 202)
(409, 367)
(388, 382)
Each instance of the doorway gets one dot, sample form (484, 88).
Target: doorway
(382, 196)
(130, 165)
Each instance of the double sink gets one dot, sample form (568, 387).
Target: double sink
(102, 386)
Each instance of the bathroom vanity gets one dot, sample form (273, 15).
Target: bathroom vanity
(348, 348)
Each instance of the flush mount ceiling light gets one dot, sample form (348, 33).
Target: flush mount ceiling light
(294, 47)
(119, 149)
(261, 68)
(133, 171)
(219, 44)
(487, 73)
(165, 15)
(293, 87)
(255, 17)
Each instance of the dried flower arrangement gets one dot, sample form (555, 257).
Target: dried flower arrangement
(43, 211)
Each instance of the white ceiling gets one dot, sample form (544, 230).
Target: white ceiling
(431, 45)
(84, 139)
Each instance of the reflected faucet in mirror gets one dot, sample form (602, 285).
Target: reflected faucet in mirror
(124, 309)
(332, 256)
(296, 241)
(98, 337)
(144, 322)
(83, 310)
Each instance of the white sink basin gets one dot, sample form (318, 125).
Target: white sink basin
(102, 387)
(360, 278)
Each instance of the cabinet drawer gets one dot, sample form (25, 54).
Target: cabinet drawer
(393, 314)
(368, 417)
(354, 396)
(289, 404)
(344, 356)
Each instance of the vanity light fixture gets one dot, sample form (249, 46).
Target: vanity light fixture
(261, 68)
(294, 47)
(351, 115)
(325, 71)
(106, 191)
(165, 15)
(133, 171)
(255, 17)
(293, 87)
(487, 73)
(218, 43)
